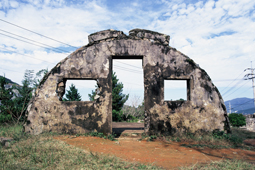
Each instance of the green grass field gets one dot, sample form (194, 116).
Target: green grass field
(44, 152)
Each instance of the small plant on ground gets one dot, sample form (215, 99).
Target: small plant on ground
(98, 134)
(152, 137)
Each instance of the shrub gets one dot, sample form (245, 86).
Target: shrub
(237, 119)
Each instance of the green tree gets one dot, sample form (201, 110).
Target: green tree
(15, 99)
(23, 96)
(39, 76)
(92, 95)
(6, 102)
(237, 119)
(72, 94)
(118, 98)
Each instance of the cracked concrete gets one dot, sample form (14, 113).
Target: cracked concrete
(203, 111)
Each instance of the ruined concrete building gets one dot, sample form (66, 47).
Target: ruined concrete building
(250, 122)
(204, 109)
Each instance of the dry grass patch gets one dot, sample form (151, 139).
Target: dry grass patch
(215, 140)
(44, 152)
(222, 165)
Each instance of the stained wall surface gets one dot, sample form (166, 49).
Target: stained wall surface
(204, 109)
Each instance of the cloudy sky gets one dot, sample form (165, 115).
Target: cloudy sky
(217, 35)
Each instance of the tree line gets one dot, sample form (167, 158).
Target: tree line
(14, 98)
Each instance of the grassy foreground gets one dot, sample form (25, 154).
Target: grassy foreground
(222, 165)
(43, 152)
(217, 140)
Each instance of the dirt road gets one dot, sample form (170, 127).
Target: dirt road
(167, 155)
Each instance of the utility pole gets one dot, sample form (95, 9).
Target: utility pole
(252, 77)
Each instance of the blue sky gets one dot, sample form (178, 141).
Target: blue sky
(217, 35)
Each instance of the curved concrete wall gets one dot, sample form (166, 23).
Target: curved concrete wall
(204, 109)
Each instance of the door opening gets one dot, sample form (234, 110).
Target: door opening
(127, 95)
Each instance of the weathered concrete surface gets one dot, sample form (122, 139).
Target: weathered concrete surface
(204, 109)
(250, 122)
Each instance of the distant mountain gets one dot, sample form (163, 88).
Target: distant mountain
(241, 105)
(9, 81)
(247, 111)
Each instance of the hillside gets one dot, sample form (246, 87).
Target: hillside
(241, 105)
(9, 81)
(247, 111)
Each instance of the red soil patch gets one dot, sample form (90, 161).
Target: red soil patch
(166, 155)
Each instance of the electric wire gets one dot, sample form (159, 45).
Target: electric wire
(244, 91)
(129, 64)
(34, 41)
(26, 55)
(237, 89)
(221, 80)
(11, 70)
(133, 83)
(127, 69)
(233, 87)
(118, 67)
(232, 82)
(38, 33)
(242, 104)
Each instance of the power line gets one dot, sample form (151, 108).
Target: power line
(242, 104)
(134, 84)
(138, 71)
(37, 33)
(127, 69)
(243, 91)
(11, 70)
(129, 65)
(221, 80)
(236, 90)
(34, 41)
(232, 81)
(26, 55)
(233, 87)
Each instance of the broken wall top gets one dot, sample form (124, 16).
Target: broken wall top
(204, 109)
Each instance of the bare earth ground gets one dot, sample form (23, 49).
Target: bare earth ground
(163, 154)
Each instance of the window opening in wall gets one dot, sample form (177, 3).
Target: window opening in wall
(175, 90)
(83, 87)
(129, 72)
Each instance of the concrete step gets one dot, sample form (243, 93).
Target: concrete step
(130, 135)
(127, 139)
(128, 131)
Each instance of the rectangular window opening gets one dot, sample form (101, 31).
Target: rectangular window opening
(176, 90)
(80, 86)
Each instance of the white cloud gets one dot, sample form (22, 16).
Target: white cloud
(14, 4)
(195, 29)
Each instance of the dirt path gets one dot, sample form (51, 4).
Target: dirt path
(167, 155)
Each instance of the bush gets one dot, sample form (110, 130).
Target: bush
(117, 116)
(237, 119)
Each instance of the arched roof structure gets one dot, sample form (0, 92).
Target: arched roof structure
(204, 109)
